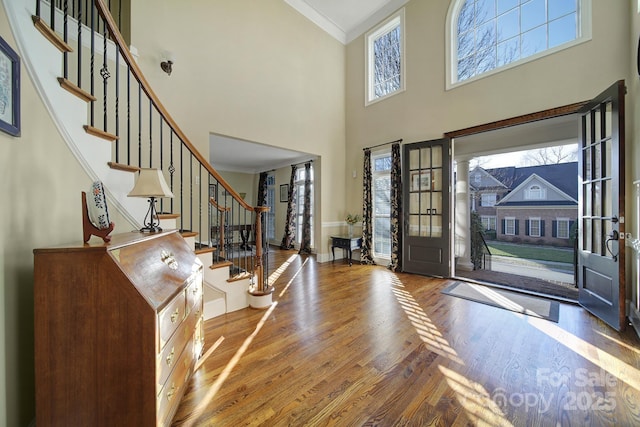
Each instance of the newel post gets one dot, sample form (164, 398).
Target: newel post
(260, 292)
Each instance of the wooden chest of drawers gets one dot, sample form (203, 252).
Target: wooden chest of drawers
(118, 330)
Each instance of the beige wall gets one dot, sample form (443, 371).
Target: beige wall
(40, 187)
(254, 70)
(426, 110)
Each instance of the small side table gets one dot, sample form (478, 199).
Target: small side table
(347, 243)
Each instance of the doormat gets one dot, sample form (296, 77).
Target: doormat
(513, 301)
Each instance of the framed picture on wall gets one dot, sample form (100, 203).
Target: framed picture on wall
(421, 181)
(284, 193)
(9, 89)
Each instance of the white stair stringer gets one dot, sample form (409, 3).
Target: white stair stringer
(43, 62)
(214, 302)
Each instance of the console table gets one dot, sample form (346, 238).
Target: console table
(348, 243)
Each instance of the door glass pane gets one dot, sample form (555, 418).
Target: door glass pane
(436, 203)
(436, 226)
(607, 200)
(425, 203)
(436, 156)
(596, 125)
(596, 197)
(597, 162)
(586, 153)
(414, 225)
(436, 179)
(586, 196)
(608, 117)
(414, 159)
(425, 226)
(586, 128)
(425, 157)
(607, 158)
(586, 235)
(414, 203)
(597, 237)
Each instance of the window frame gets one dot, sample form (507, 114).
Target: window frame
(374, 174)
(508, 219)
(489, 219)
(270, 215)
(566, 221)
(491, 203)
(584, 30)
(397, 19)
(538, 221)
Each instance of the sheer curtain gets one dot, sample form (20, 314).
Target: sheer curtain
(396, 209)
(367, 211)
(290, 224)
(305, 240)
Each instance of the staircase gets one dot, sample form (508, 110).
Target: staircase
(113, 122)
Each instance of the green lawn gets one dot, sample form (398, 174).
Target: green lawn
(543, 253)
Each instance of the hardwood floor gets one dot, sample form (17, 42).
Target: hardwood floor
(360, 345)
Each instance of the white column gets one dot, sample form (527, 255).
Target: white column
(463, 217)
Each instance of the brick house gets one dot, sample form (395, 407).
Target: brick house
(534, 204)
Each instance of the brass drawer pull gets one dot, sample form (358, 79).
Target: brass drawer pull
(174, 315)
(170, 357)
(171, 392)
(168, 258)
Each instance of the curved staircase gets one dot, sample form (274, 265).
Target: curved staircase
(113, 122)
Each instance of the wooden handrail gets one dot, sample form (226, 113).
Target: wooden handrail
(105, 13)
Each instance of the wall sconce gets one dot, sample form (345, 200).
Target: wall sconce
(151, 184)
(167, 66)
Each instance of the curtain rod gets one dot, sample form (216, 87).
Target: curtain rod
(302, 163)
(384, 143)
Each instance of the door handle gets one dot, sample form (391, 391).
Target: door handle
(611, 237)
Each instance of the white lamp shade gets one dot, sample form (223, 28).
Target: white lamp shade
(150, 183)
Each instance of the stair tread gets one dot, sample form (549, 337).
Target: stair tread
(220, 264)
(238, 277)
(50, 35)
(205, 250)
(123, 167)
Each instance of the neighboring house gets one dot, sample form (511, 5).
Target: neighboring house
(536, 204)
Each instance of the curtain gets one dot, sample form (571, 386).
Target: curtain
(262, 189)
(290, 224)
(262, 201)
(305, 241)
(367, 211)
(396, 209)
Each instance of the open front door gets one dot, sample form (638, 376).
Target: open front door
(426, 206)
(601, 273)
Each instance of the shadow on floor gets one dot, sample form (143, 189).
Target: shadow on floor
(531, 284)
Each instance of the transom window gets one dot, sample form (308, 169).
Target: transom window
(492, 34)
(385, 59)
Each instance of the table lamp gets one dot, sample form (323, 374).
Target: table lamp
(151, 184)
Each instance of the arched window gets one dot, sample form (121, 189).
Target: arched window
(535, 192)
(487, 35)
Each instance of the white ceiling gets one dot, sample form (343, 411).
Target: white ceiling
(235, 155)
(346, 19)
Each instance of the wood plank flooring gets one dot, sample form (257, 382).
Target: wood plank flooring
(362, 346)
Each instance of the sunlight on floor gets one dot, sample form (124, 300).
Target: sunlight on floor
(421, 322)
(217, 384)
(276, 274)
(502, 300)
(480, 407)
(624, 372)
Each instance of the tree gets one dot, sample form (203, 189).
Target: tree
(478, 50)
(551, 155)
